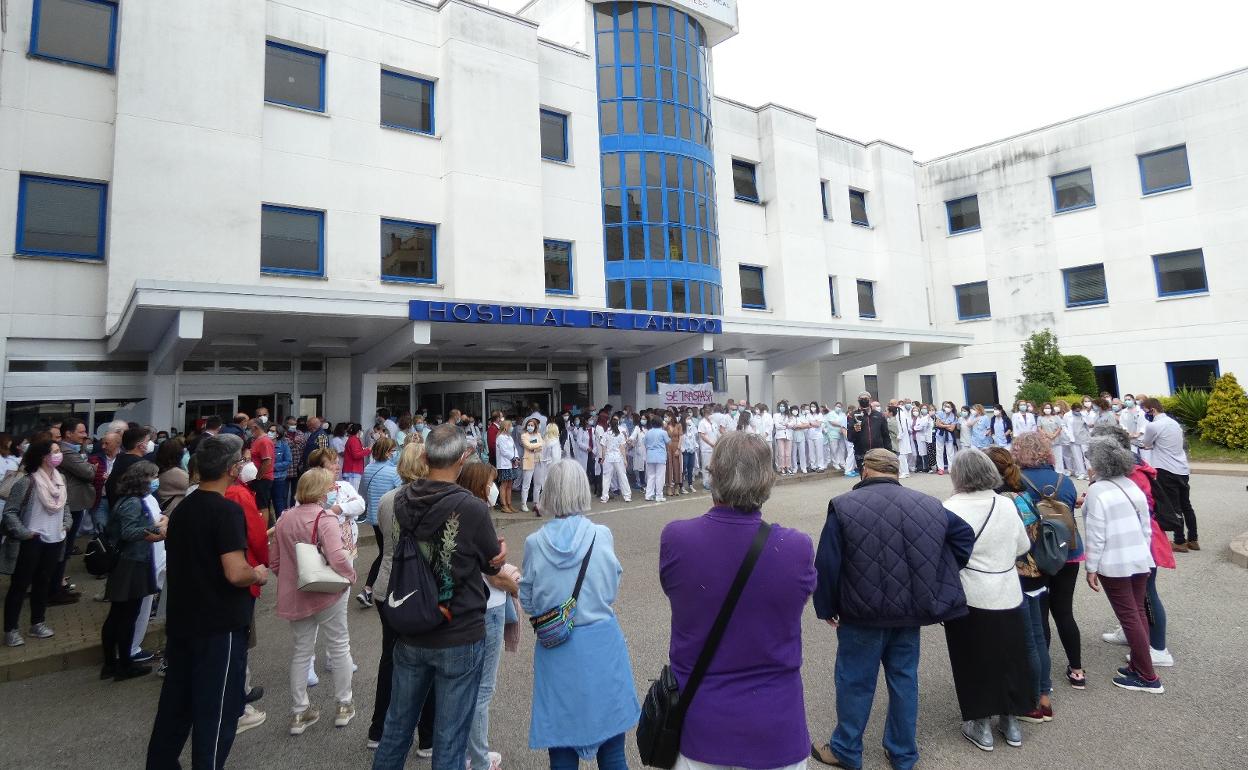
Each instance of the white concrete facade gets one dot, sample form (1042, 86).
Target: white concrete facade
(181, 133)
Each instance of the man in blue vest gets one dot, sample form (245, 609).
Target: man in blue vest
(888, 563)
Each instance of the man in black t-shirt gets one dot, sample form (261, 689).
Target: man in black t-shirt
(209, 611)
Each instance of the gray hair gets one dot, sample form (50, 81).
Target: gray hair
(974, 471)
(444, 446)
(742, 474)
(566, 492)
(1108, 459)
(216, 454)
(1113, 432)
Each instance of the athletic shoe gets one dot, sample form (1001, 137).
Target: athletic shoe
(602, 499)
(63, 597)
(1115, 637)
(851, 475)
(1034, 717)
(253, 695)
(313, 680)
(661, 500)
(1077, 682)
(905, 476)
(132, 672)
(1013, 734)
(143, 656)
(978, 732)
(1133, 681)
(163, 669)
(1048, 712)
(372, 744)
(365, 598)
(303, 720)
(251, 718)
(329, 665)
(524, 507)
(424, 753)
(1161, 658)
(825, 755)
(496, 760)
(344, 714)
(650, 499)
(42, 631)
(13, 638)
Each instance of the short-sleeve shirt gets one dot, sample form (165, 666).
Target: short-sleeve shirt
(262, 449)
(199, 598)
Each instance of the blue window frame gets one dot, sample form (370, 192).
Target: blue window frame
(61, 217)
(1085, 286)
(75, 31)
(753, 293)
(407, 102)
(558, 267)
(866, 299)
(858, 208)
(1180, 273)
(980, 388)
(294, 77)
(745, 181)
(292, 241)
(1073, 191)
(1163, 170)
(972, 301)
(963, 214)
(554, 126)
(1194, 375)
(409, 251)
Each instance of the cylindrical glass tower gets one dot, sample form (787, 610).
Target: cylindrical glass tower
(658, 177)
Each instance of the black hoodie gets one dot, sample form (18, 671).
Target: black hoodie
(424, 507)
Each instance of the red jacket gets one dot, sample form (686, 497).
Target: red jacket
(257, 528)
(1144, 475)
(491, 433)
(353, 456)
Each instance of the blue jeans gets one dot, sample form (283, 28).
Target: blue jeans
(610, 756)
(691, 459)
(281, 495)
(1157, 628)
(859, 654)
(479, 739)
(455, 675)
(1037, 647)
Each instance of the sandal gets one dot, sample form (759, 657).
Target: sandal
(1079, 682)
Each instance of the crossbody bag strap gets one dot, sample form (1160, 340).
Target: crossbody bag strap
(580, 578)
(721, 621)
(984, 526)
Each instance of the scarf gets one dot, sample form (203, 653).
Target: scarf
(50, 486)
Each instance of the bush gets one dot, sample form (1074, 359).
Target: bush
(1043, 364)
(1187, 406)
(1036, 392)
(1226, 419)
(1070, 398)
(1081, 373)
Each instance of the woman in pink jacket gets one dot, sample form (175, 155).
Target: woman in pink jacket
(310, 612)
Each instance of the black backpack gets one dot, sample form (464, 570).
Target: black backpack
(411, 603)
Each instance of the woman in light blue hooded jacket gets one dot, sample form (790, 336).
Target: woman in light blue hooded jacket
(583, 697)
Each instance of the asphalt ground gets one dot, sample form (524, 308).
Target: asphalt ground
(72, 720)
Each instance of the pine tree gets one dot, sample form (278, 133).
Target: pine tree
(1043, 363)
(1226, 422)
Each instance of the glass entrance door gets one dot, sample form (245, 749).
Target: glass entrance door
(196, 411)
(278, 404)
(517, 404)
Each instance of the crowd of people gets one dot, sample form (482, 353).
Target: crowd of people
(193, 527)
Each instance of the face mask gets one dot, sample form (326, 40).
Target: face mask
(923, 411)
(1087, 404)
(995, 413)
(794, 412)
(865, 403)
(1048, 411)
(55, 460)
(89, 448)
(273, 434)
(263, 419)
(186, 458)
(839, 409)
(150, 447)
(948, 409)
(492, 495)
(153, 486)
(1116, 408)
(24, 446)
(805, 412)
(878, 408)
(914, 412)
(1026, 407)
(645, 421)
(1129, 403)
(965, 413)
(331, 498)
(248, 473)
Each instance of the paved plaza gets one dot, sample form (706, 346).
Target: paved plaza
(69, 719)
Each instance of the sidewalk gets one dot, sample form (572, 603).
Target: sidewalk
(1219, 469)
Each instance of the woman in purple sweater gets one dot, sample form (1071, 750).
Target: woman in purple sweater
(759, 660)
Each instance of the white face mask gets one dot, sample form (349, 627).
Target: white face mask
(263, 419)
(248, 473)
(1048, 411)
(492, 495)
(151, 447)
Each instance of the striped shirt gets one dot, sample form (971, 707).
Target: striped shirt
(1117, 529)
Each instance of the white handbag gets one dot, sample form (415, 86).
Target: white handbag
(315, 574)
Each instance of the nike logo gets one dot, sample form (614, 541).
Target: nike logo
(393, 602)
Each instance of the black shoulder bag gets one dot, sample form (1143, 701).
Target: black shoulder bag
(663, 713)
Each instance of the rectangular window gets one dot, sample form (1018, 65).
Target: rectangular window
(1107, 379)
(1194, 375)
(752, 294)
(745, 181)
(1180, 272)
(866, 299)
(77, 31)
(972, 301)
(61, 217)
(558, 267)
(832, 294)
(1085, 286)
(980, 388)
(871, 384)
(409, 251)
(823, 198)
(963, 214)
(858, 208)
(554, 136)
(294, 77)
(406, 102)
(1073, 191)
(1165, 170)
(927, 387)
(292, 241)
(615, 295)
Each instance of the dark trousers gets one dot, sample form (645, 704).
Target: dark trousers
(117, 635)
(1179, 497)
(263, 489)
(372, 571)
(1126, 596)
(595, 478)
(281, 495)
(36, 564)
(202, 697)
(691, 459)
(1061, 606)
(59, 574)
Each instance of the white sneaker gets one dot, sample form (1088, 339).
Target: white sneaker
(904, 476)
(524, 507)
(1115, 637)
(13, 638)
(372, 744)
(1161, 658)
(313, 679)
(496, 760)
(424, 753)
(42, 631)
(329, 665)
(660, 499)
(250, 718)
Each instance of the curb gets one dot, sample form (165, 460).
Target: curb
(1231, 470)
(89, 654)
(1239, 551)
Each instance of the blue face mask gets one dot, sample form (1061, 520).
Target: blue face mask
(155, 485)
(331, 498)
(186, 458)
